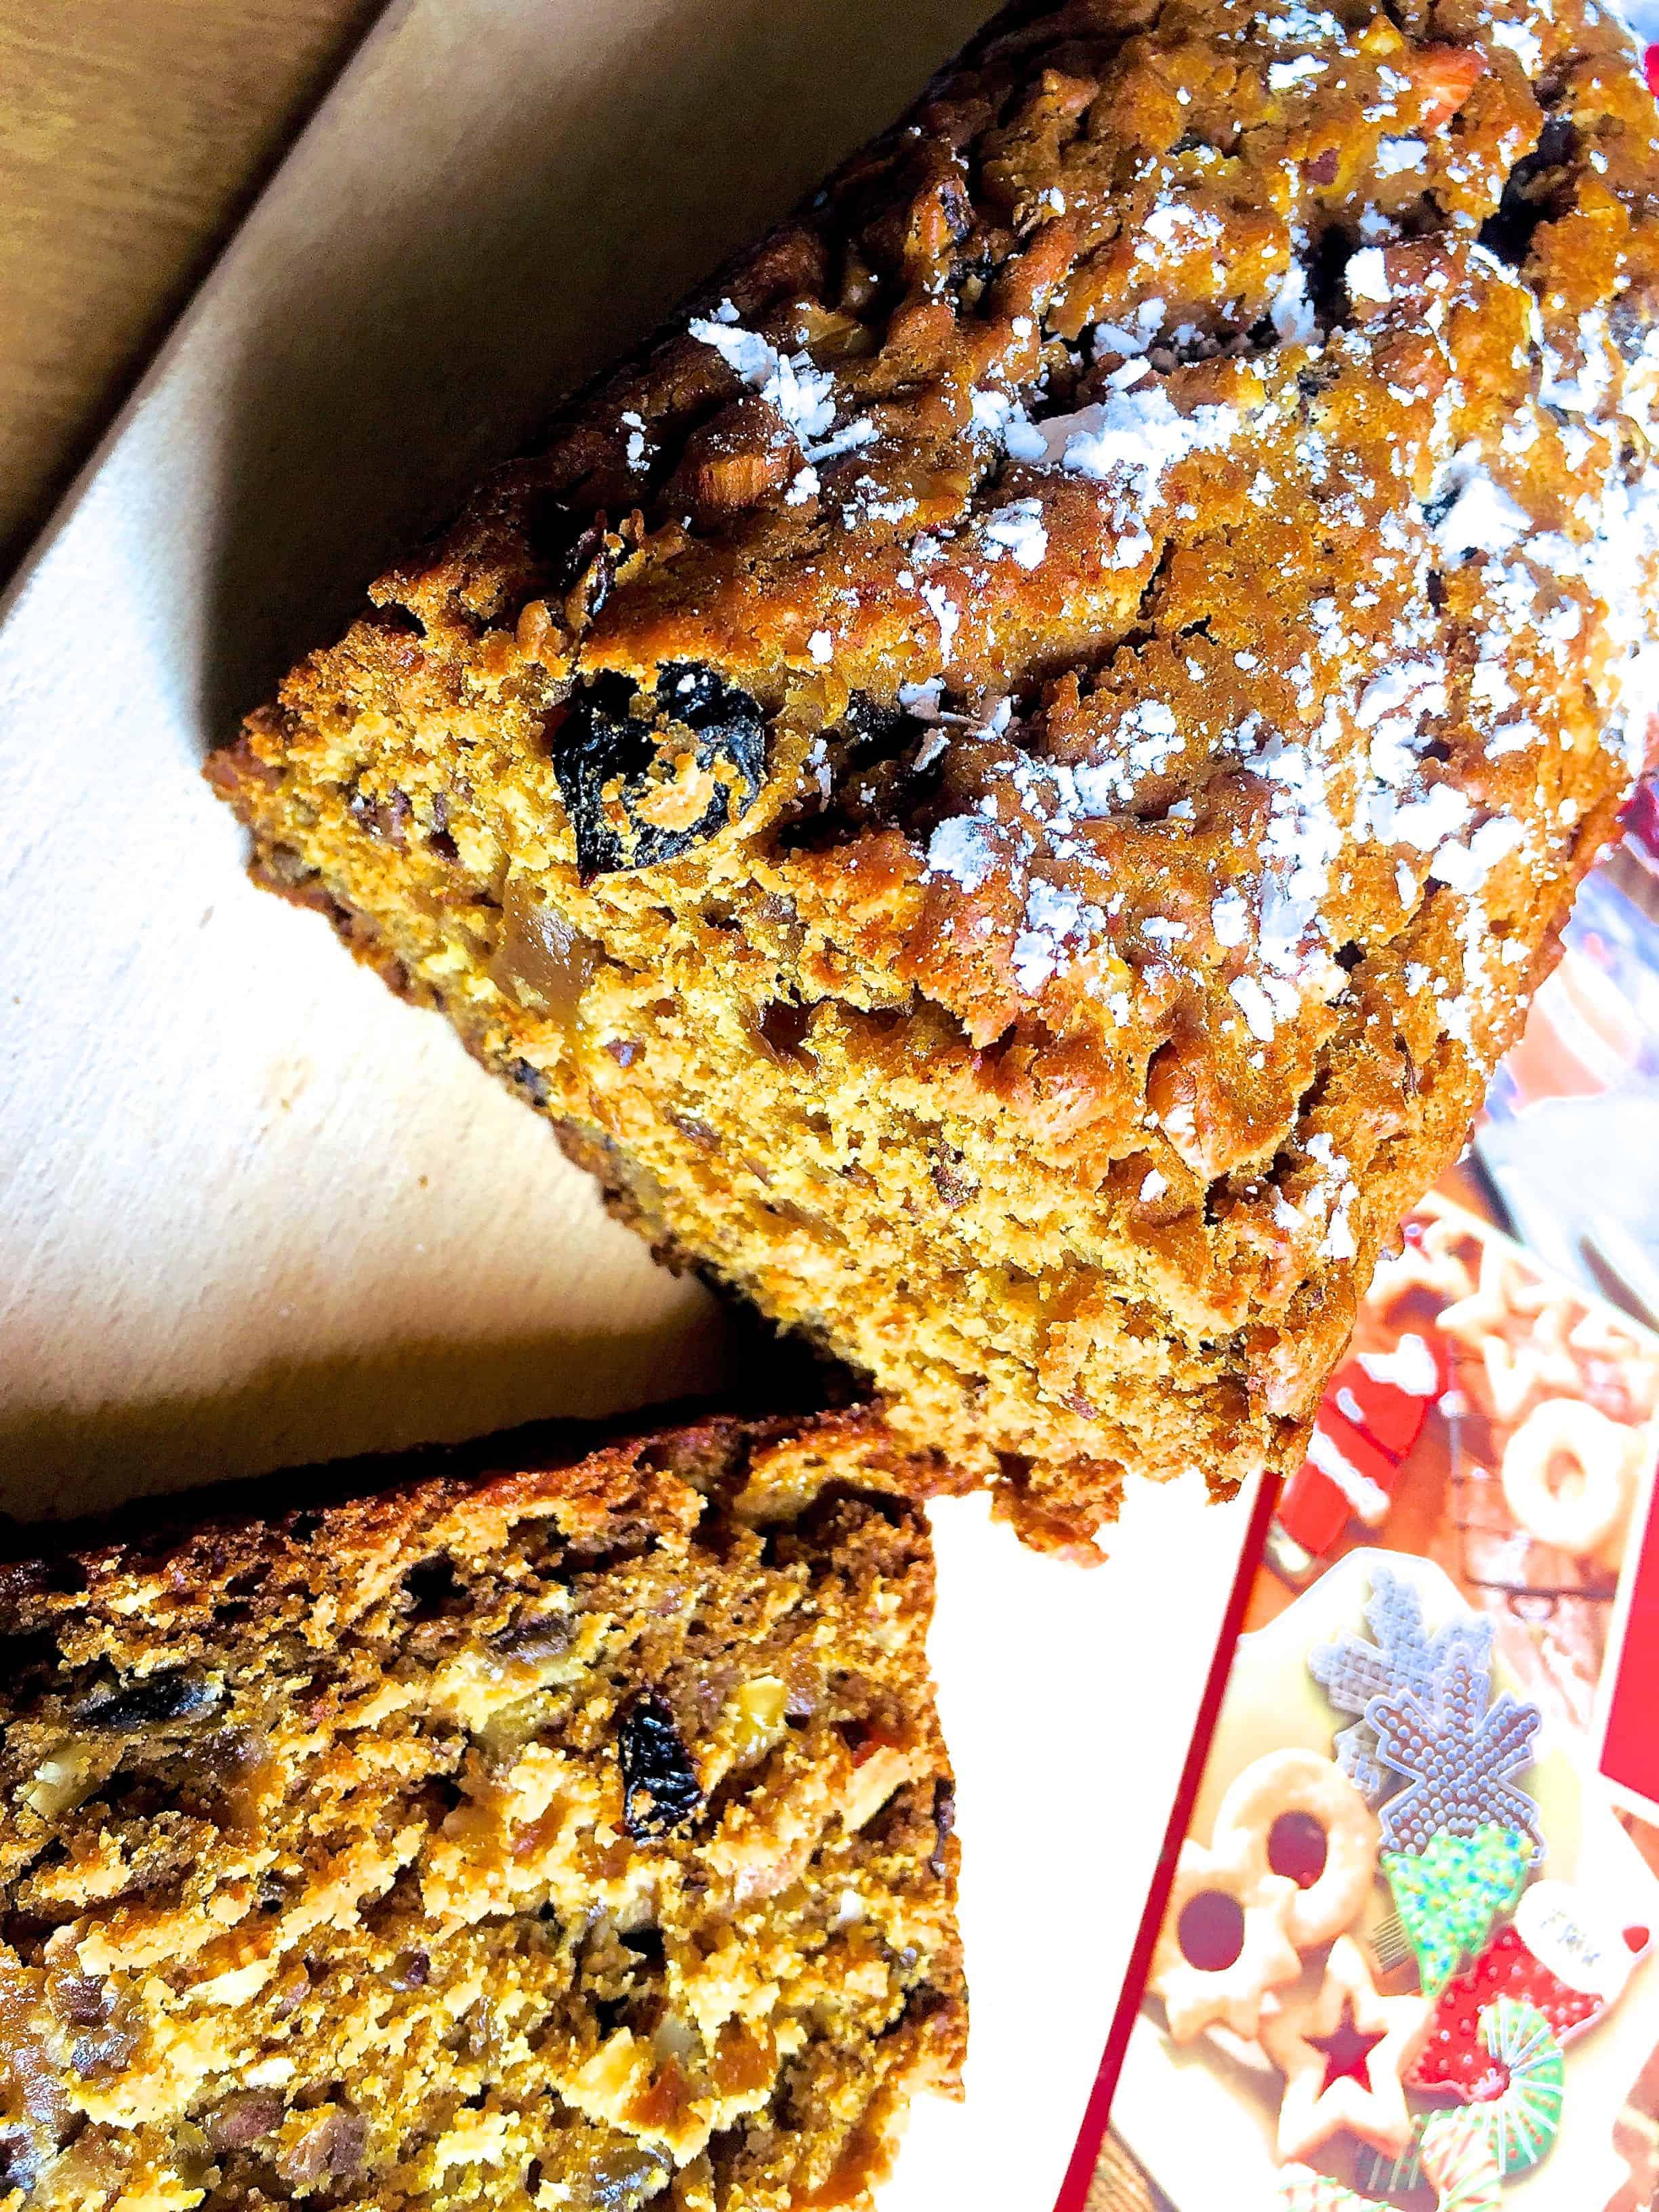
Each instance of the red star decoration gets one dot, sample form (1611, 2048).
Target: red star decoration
(1346, 2050)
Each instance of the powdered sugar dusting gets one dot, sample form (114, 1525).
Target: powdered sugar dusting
(1017, 529)
(1055, 916)
(961, 849)
(1364, 768)
(803, 394)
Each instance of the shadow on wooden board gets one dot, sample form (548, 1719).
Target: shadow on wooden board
(133, 140)
(612, 157)
(399, 1397)
(158, 1518)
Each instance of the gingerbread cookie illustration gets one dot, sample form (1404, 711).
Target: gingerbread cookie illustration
(1518, 2091)
(1564, 1953)
(1460, 1840)
(1459, 1751)
(1449, 1895)
(1407, 1657)
(1570, 1477)
(1456, 2162)
(1440, 1253)
(1520, 2116)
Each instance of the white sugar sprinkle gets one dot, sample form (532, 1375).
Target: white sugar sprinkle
(1525, 44)
(1396, 155)
(944, 612)
(1482, 518)
(1229, 918)
(1281, 75)
(1253, 1002)
(961, 849)
(1365, 275)
(1019, 529)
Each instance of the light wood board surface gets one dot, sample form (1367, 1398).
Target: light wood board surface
(252, 1211)
(133, 134)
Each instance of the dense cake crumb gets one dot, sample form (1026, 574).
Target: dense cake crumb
(1007, 782)
(574, 1837)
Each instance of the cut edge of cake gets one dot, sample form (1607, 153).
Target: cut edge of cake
(573, 1833)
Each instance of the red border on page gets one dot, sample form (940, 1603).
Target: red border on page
(1627, 1709)
(1085, 2157)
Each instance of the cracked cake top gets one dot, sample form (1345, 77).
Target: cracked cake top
(1147, 561)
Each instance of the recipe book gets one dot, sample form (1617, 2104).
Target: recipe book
(1438, 1733)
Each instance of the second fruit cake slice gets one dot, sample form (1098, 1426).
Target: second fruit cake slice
(1007, 782)
(573, 1837)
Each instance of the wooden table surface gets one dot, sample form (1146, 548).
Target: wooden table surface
(133, 134)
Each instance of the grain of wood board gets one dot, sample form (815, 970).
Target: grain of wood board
(133, 135)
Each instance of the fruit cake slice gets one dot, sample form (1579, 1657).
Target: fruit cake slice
(1006, 782)
(576, 1836)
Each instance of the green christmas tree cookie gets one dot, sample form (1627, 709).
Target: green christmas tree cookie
(1449, 1895)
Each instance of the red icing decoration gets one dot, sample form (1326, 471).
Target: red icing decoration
(1453, 2057)
(1650, 69)
(1211, 1931)
(1348, 2051)
(1638, 1938)
(1362, 1454)
(1390, 1417)
(1373, 1424)
(1297, 1848)
(1312, 1509)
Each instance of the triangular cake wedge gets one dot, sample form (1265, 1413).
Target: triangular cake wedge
(1006, 783)
(572, 1836)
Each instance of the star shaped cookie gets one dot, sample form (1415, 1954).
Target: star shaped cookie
(1505, 1291)
(1513, 1325)
(1440, 1256)
(1342, 2052)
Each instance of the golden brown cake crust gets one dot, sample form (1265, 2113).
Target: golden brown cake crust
(1020, 765)
(575, 1836)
